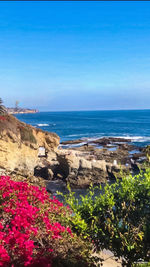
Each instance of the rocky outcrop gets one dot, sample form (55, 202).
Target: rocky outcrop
(90, 163)
(100, 141)
(29, 151)
(20, 143)
(81, 172)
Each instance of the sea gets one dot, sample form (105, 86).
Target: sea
(91, 125)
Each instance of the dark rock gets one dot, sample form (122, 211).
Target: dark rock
(110, 140)
(42, 172)
(70, 142)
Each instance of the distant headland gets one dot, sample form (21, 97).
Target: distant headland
(21, 110)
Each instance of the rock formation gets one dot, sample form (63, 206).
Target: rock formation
(20, 143)
(80, 170)
(31, 152)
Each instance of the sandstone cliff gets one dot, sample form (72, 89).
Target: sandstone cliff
(20, 143)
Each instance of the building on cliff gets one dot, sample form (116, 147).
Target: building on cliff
(21, 110)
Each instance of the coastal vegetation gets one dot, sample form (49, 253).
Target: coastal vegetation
(34, 229)
(117, 219)
(27, 135)
(2, 107)
(38, 230)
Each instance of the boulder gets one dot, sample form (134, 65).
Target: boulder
(85, 164)
(81, 172)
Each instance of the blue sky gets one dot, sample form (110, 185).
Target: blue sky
(75, 55)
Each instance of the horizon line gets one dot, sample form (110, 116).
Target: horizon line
(94, 110)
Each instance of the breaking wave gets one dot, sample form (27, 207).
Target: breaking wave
(43, 124)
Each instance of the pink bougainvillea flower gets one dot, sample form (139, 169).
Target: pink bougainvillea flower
(28, 226)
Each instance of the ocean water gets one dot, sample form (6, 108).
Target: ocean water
(134, 124)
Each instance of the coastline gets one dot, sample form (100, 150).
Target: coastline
(21, 111)
(97, 162)
(33, 152)
(93, 124)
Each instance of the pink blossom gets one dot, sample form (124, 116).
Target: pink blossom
(27, 212)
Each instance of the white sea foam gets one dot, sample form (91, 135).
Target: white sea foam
(43, 124)
(72, 145)
(132, 138)
(93, 138)
(77, 145)
(136, 138)
(73, 135)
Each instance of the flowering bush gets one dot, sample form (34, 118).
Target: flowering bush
(33, 229)
(2, 118)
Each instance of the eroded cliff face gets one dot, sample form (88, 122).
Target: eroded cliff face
(20, 143)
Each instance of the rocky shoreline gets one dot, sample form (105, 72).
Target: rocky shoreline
(98, 161)
(36, 154)
(88, 163)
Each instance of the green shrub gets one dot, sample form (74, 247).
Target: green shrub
(141, 265)
(117, 219)
(27, 135)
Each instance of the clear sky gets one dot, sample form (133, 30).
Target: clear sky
(75, 55)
